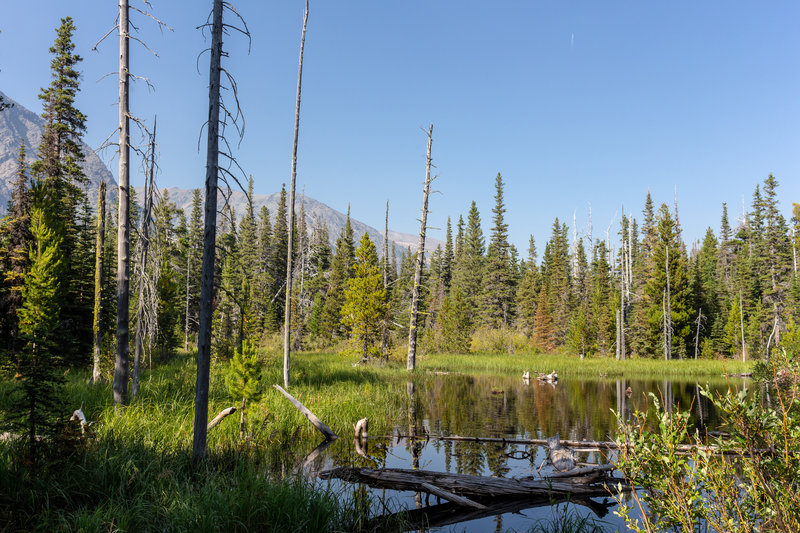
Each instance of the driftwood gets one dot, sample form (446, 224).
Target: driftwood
(449, 496)
(325, 430)
(217, 419)
(361, 428)
(462, 484)
(81, 417)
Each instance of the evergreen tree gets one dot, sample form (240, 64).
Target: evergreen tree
(469, 263)
(59, 185)
(528, 291)
(15, 241)
(603, 302)
(498, 281)
(364, 302)
(37, 403)
(341, 272)
(668, 289)
(280, 244)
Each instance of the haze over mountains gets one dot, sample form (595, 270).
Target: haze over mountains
(18, 123)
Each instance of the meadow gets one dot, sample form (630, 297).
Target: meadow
(133, 470)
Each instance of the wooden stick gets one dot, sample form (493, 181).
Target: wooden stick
(217, 419)
(361, 429)
(449, 496)
(325, 430)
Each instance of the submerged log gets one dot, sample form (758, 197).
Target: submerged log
(448, 514)
(449, 496)
(462, 484)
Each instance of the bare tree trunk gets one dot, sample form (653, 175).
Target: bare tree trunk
(741, 325)
(287, 322)
(209, 241)
(188, 275)
(123, 239)
(98, 279)
(412, 330)
(385, 264)
(668, 313)
(619, 341)
(697, 332)
(144, 240)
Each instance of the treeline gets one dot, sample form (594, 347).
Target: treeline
(644, 294)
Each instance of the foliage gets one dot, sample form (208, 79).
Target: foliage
(365, 302)
(753, 488)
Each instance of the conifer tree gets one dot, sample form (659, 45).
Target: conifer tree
(59, 182)
(469, 265)
(15, 241)
(242, 379)
(498, 280)
(37, 402)
(364, 302)
(528, 291)
(341, 272)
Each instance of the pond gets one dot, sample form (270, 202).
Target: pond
(460, 405)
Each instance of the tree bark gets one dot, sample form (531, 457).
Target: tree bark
(385, 265)
(287, 322)
(98, 280)
(209, 241)
(412, 330)
(123, 238)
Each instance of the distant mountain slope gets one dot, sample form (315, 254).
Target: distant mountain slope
(18, 122)
(316, 211)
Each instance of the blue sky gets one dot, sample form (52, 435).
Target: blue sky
(575, 103)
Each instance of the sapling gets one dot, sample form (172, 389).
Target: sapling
(242, 379)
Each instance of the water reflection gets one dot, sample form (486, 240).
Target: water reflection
(468, 406)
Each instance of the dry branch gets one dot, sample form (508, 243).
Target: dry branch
(217, 419)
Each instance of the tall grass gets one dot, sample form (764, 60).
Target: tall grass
(134, 471)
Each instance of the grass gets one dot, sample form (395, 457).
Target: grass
(573, 366)
(135, 473)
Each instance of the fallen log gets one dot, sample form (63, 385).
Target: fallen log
(217, 419)
(461, 484)
(449, 496)
(325, 430)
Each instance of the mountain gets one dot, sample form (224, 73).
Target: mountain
(17, 123)
(316, 212)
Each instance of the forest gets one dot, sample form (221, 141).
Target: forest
(85, 281)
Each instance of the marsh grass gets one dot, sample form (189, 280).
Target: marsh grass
(565, 366)
(133, 471)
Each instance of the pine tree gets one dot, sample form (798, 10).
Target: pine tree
(37, 404)
(280, 244)
(59, 185)
(469, 263)
(15, 241)
(528, 291)
(364, 302)
(498, 281)
(242, 379)
(341, 272)
(668, 289)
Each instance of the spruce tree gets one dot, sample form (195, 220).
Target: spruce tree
(15, 241)
(498, 281)
(364, 303)
(59, 184)
(528, 291)
(37, 404)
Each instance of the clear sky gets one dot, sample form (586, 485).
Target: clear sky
(574, 102)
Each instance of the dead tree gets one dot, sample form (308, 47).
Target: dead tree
(144, 242)
(287, 323)
(123, 222)
(216, 133)
(385, 267)
(412, 329)
(98, 280)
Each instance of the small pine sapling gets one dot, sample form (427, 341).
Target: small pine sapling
(242, 379)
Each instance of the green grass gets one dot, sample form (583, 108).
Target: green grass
(135, 473)
(567, 366)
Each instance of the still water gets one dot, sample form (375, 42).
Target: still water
(459, 405)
